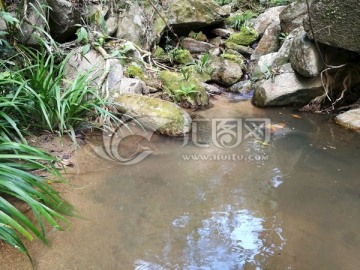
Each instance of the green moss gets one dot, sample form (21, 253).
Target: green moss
(246, 36)
(173, 82)
(166, 117)
(198, 36)
(182, 56)
(233, 57)
(135, 71)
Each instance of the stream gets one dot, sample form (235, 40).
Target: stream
(290, 203)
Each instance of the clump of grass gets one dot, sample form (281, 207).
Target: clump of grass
(240, 19)
(17, 161)
(46, 100)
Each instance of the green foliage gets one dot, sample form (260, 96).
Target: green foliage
(188, 92)
(134, 71)
(282, 37)
(16, 181)
(271, 3)
(182, 56)
(40, 95)
(223, 2)
(202, 64)
(82, 36)
(240, 19)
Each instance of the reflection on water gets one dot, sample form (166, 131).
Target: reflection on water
(230, 239)
(297, 207)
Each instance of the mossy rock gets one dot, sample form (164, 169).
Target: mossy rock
(182, 56)
(200, 36)
(246, 36)
(234, 57)
(159, 115)
(135, 71)
(174, 85)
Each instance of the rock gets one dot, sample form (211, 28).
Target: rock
(273, 60)
(64, 18)
(215, 52)
(236, 57)
(212, 89)
(165, 117)
(242, 87)
(198, 36)
(216, 41)
(305, 57)
(195, 46)
(131, 25)
(182, 56)
(224, 71)
(269, 42)
(246, 36)
(184, 15)
(29, 34)
(225, 10)
(349, 119)
(239, 48)
(221, 32)
(287, 88)
(265, 19)
(189, 93)
(292, 16)
(112, 25)
(93, 64)
(336, 23)
(133, 86)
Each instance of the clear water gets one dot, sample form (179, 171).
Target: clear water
(296, 207)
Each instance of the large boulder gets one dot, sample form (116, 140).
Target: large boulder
(182, 15)
(225, 71)
(292, 16)
(93, 64)
(269, 42)
(165, 117)
(305, 57)
(336, 23)
(287, 88)
(265, 19)
(349, 119)
(64, 18)
(194, 46)
(33, 27)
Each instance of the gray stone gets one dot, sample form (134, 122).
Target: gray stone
(287, 88)
(165, 117)
(64, 16)
(349, 119)
(305, 57)
(292, 16)
(216, 41)
(224, 71)
(194, 46)
(336, 23)
(212, 89)
(239, 48)
(269, 42)
(270, 16)
(32, 27)
(94, 64)
(133, 86)
(112, 25)
(221, 32)
(215, 51)
(242, 87)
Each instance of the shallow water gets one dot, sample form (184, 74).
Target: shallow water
(290, 203)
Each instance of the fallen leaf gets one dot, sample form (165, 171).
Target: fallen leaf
(296, 116)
